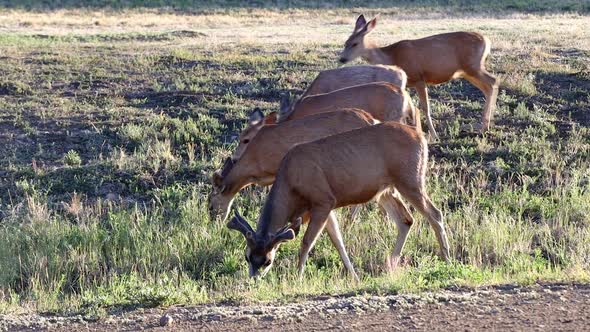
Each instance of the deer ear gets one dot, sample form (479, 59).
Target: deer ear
(216, 179)
(256, 117)
(271, 118)
(284, 104)
(360, 23)
(296, 225)
(371, 25)
(227, 166)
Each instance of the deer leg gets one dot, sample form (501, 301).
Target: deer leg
(353, 212)
(319, 216)
(416, 195)
(488, 85)
(425, 106)
(435, 219)
(398, 212)
(336, 238)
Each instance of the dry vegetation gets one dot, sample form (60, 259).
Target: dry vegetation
(112, 121)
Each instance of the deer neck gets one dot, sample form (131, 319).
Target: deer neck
(254, 166)
(237, 178)
(376, 55)
(233, 187)
(277, 211)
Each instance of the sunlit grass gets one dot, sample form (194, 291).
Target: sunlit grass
(112, 134)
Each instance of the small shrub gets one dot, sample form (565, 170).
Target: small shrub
(72, 158)
(132, 133)
(14, 88)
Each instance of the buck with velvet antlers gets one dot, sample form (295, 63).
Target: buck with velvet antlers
(259, 163)
(431, 60)
(344, 169)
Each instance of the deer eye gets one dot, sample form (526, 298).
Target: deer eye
(355, 44)
(246, 141)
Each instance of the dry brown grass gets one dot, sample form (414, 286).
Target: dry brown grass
(151, 114)
(323, 26)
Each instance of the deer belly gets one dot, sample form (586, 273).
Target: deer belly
(442, 76)
(357, 194)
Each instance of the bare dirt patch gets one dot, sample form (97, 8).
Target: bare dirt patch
(541, 307)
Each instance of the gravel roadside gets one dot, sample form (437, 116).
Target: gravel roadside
(542, 307)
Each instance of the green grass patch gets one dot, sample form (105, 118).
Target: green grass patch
(109, 143)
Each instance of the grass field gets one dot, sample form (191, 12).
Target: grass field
(111, 123)
(224, 5)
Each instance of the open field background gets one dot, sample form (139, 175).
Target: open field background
(111, 122)
(225, 5)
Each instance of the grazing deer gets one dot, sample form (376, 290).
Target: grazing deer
(344, 169)
(264, 151)
(384, 101)
(264, 144)
(335, 79)
(255, 122)
(431, 60)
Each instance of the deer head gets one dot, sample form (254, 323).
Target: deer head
(260, 248)
(219, 201)
(356, 44)
(255, 122)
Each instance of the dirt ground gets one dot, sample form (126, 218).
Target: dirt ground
(540, 307)
(548, 308)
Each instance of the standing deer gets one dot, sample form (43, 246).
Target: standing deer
(327, 81)
(383, 100)
(431, 60)
(343, 77)
(344, 169)
(264, 151)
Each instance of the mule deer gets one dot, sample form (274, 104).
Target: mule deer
(384, 101)
(431, 60)
(255, 122)
(344, 169)
(262, 150)
(343, 77)
(262, 155)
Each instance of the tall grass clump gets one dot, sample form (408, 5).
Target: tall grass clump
(105, 167)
